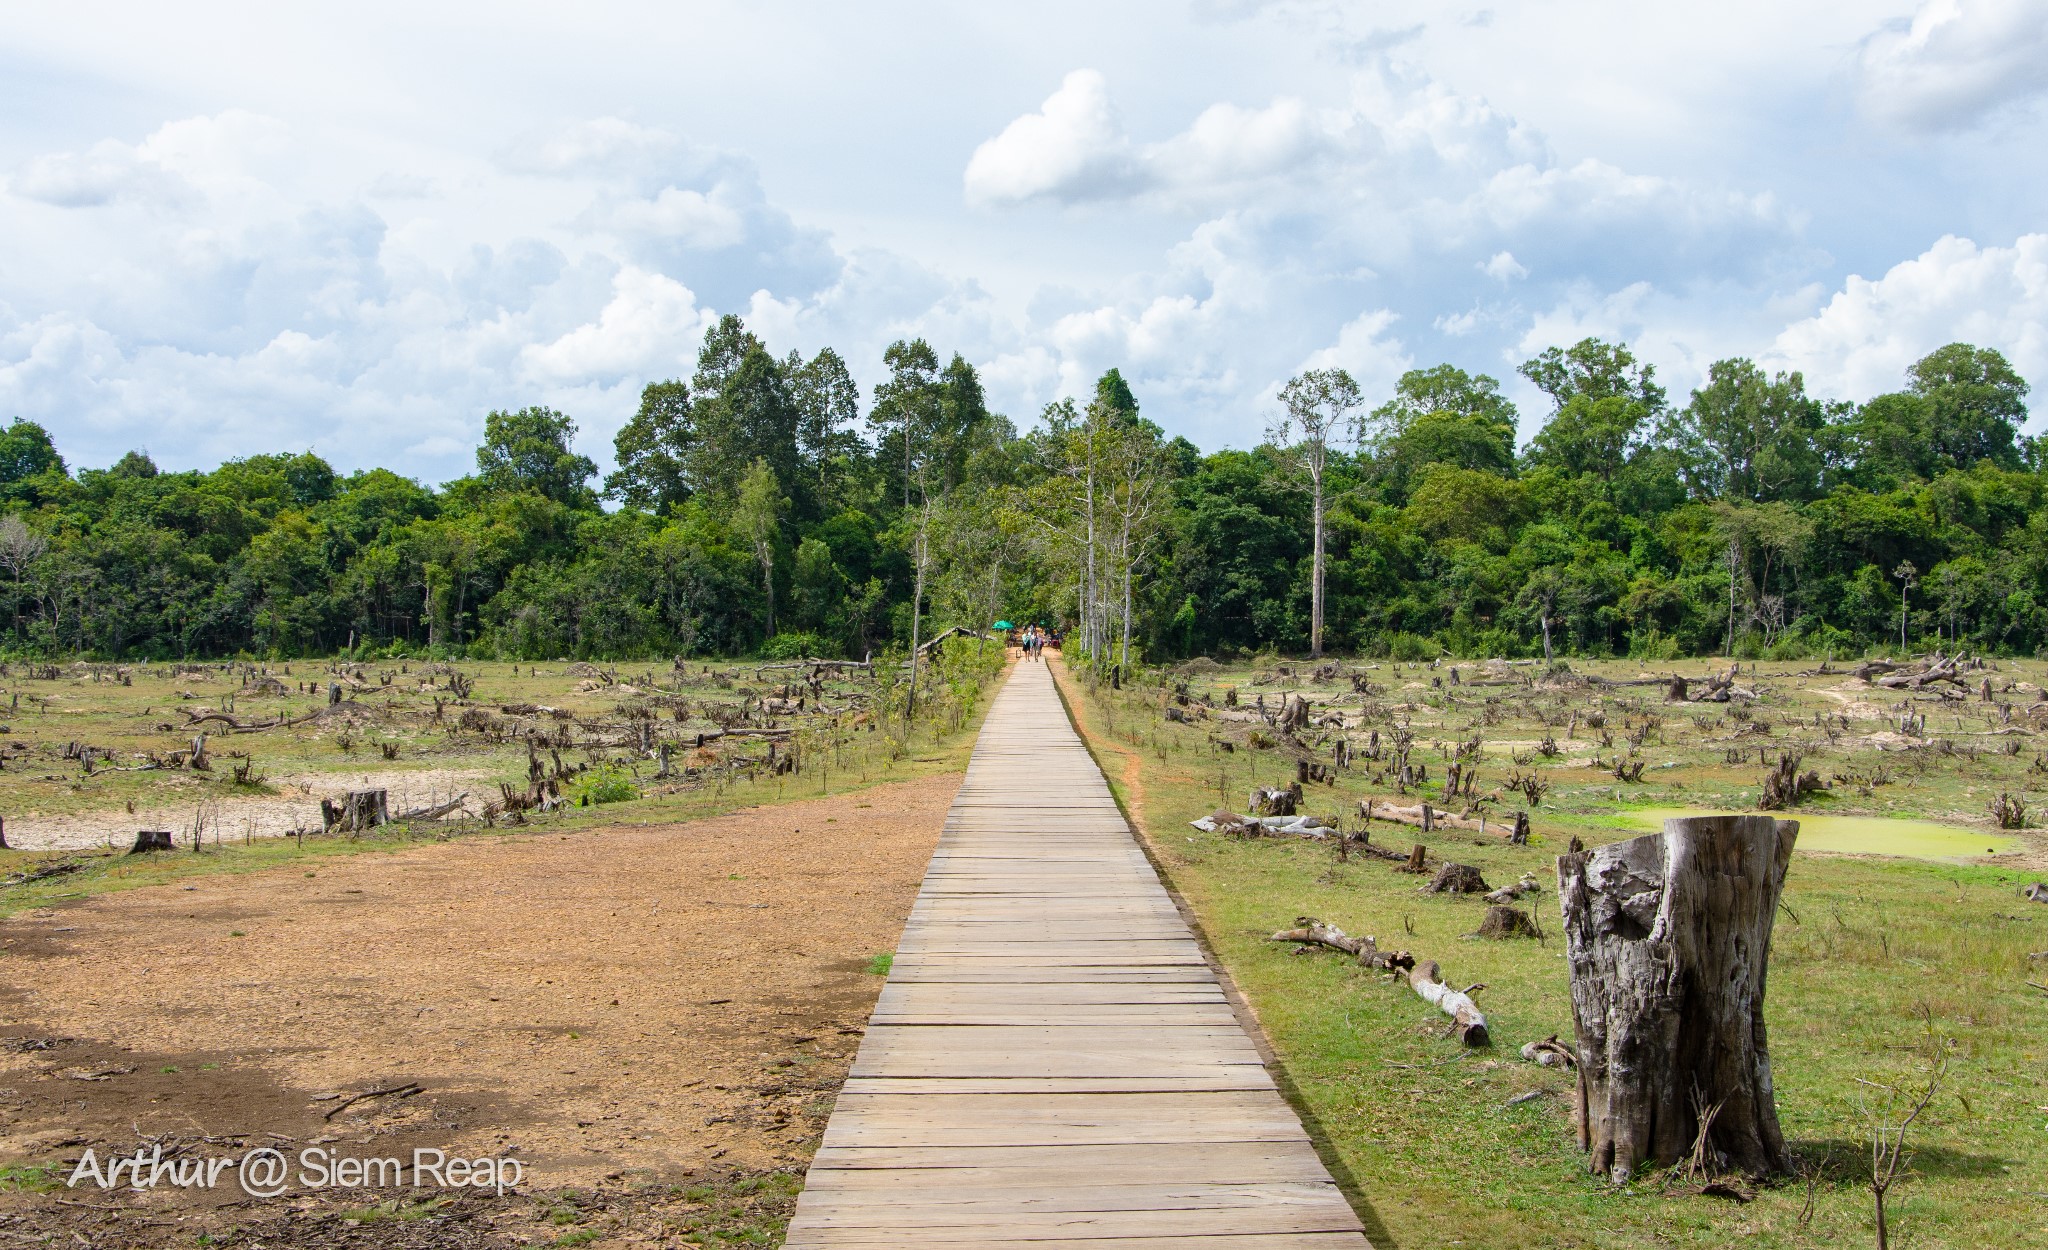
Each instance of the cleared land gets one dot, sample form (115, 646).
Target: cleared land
(654, 1017)
(1877, 963)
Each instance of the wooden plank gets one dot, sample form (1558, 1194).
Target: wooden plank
(1052, 1062)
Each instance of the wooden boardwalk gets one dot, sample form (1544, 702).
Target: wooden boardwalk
(1052, 1062)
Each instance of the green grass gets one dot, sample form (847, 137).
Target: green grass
(30, 1178)
(880, 965)
(1869, 956)
(748, 1211)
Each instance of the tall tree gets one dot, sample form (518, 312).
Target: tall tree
(758, 515)
(1595, 370)
(827, 404)
(654, 450)
(26, 451)
(528, 450)
(1442, 415)
(907, 409)
(1321, 407)
(1748, 435)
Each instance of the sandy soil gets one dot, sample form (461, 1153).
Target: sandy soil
(296, 804)
(612, 1003)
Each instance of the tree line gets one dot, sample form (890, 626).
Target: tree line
(766, 506)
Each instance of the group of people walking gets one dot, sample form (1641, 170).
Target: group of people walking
(1033, 640)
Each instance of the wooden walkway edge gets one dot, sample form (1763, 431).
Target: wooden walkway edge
(1052, 1062)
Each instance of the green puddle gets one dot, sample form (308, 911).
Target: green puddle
(1855, 835)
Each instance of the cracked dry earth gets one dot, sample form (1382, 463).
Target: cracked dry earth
(625, 1009)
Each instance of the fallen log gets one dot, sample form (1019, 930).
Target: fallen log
(194, 719)
(1422, 816)
(435, 812)
(1465, 1016)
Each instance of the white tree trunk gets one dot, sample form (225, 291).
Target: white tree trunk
(1315, 611)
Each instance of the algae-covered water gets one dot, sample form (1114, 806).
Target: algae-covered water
(1856, 835)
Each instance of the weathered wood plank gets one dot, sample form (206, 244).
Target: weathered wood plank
(1053, 1062)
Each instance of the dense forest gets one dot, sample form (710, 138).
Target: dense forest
(763, 506)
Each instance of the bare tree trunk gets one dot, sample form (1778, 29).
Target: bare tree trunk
(1127, 606)
(916, 603)
(1090, 638)
(1734, 556)
(1315, 594)
(1668, 938)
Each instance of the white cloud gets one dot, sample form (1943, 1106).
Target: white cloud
(1457, 325)
(1073, 148)
(603, 146)
(1364, 351)
(1503, 267)
(652, 327)
(1860, 344)
(1955, 62)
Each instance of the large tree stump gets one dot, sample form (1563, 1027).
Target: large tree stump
(357, 812)
(1668, 938)
(147, 840)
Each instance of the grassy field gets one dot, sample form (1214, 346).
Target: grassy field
(91, 753)
(1878, 964)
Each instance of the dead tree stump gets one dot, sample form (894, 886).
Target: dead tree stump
(357, 812)
(1668, 939)
(1457, 879)
(1503, 921)
(147, 840)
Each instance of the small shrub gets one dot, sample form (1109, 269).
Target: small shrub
(799, 646)
(604, 784)
(882, 963)
(1411, 648)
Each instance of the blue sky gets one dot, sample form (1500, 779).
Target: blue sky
(358, 229)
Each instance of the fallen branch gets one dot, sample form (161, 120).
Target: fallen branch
(1310, 931)
(406, 1090)
(1550, 1053)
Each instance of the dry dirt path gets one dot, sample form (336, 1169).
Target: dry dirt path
(633, 1002)
(1053, 1062)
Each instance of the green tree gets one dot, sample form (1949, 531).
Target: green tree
(1594, 370)
(907, 410)
(26, 451)
(758, 515)
(1748, 435)
(1442, 415)
(827, 404)
(528, 450)
(654, 450)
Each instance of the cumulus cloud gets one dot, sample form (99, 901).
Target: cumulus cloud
(1503, 267)
(651, 327)
(1364, 350)
(1073, 148)
(1955, 62)
(1404, 164)
(1861, 342)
